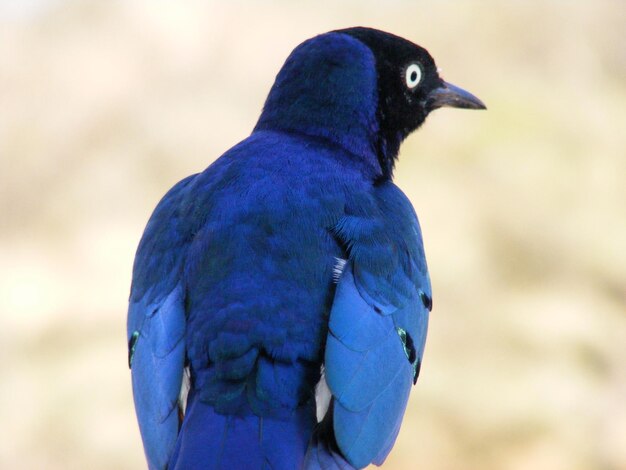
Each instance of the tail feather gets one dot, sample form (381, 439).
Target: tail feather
(211, 441)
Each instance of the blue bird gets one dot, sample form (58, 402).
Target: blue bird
(280, 298)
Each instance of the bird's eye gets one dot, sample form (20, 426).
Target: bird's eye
(413, 75)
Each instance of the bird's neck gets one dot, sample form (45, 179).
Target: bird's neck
(335, 100)
(352, 131)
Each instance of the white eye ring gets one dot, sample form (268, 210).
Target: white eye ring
(413, 75)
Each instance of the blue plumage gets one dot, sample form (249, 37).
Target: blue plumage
(293, 251)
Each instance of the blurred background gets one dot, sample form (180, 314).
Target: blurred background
(105, 105)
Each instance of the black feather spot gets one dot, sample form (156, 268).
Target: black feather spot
(410, 351)
(427, 301)
(132, 344)
(417, 367)
(410, 346)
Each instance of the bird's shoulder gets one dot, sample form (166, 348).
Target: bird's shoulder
(281, 180)
(167, 232)
(281, 161)
(383, 214)
(382, 236)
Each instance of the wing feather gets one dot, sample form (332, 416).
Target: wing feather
(156, 328)
(377, 327)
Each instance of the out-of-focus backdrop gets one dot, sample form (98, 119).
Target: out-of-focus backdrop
(105, 105)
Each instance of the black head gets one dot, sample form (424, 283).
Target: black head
(361, 88)
(409, 88)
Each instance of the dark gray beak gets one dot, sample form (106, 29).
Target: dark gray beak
(452, 96)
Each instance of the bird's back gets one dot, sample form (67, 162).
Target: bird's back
(258, 277)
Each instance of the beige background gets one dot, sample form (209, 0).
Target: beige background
(105, 105)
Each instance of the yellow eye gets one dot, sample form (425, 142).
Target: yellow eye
(413, 75)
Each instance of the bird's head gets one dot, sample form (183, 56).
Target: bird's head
(361, 88)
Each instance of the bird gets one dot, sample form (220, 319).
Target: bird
(280, 298)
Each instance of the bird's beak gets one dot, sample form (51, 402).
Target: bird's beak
(452, 96)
